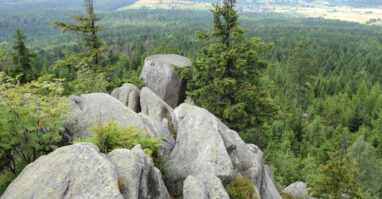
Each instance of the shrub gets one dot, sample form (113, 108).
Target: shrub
(6, 177)
(240, 188)
(286, 195)
(31, 116)
(110, 136)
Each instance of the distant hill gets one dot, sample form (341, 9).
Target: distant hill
(11, 5)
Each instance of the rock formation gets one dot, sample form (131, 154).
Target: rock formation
(205, 186)
(204, 154)
(75, 171)
(86, 110)
(159, 75)
(129, 95)
(137, 176)
(298, 190)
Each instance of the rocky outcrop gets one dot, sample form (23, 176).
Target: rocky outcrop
(298, 190)
(199, 148)
(204, 144)
(155, 107)
(76, 171)
(205, 186)
(87, 109)
(159, 75)
(137, 176)
(160, 131)
(129, 95)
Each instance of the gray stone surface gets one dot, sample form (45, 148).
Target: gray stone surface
(77, 171)
(199, 148)
(205, 186)
(160, 131)
(155, 107)
(137, 176)
(129, 95)
(298, 190)
(246, 159)
(85, 113)
(159, 75)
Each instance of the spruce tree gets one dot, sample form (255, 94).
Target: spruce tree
(301, 68)
(22, 59)
(227, 77)
(86, 27)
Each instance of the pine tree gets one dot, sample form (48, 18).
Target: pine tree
(301, 68)
(87, 28)
(22, 58)
(227, 77)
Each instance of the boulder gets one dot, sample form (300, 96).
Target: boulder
(197, 126)
(199, 148)
(298, 190)
(155, 107)
(87, 109)
(160, 131)
(159, 75)
(137, 176)
(129, 95)
(205, 186)
(76, 171)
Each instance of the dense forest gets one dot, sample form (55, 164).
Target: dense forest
(324, 77)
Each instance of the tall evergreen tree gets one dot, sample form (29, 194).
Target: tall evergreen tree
(87, 28)
(301, 68)
(22, 58)
(227, 77)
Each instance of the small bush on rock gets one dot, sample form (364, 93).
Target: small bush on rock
(240, 188)
(286, 195)
(110, 136)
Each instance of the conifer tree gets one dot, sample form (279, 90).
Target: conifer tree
(301, 68)
(87, 28)
(227, 77)
(22, 58)
(338, 177)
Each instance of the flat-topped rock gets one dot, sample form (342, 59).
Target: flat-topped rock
(160, 76)
(171, 59)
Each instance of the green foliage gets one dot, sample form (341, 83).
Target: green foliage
(301, 68)
(4, 56)
(164, 165)
(6, 177)
(286, 195)
(88, 81)
(337, 177)
(22, 59)
(369, 167)
(240, 188)
(87, 28)
(110, 136)
(31, 116)
(226, 77)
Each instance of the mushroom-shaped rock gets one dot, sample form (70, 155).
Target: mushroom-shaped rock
(87, 109)
(129, 95)
(160, 131)
(199, 148)
(298, 190)
(205, 186)
(160, 76)
(75, 171)
(137, 176)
